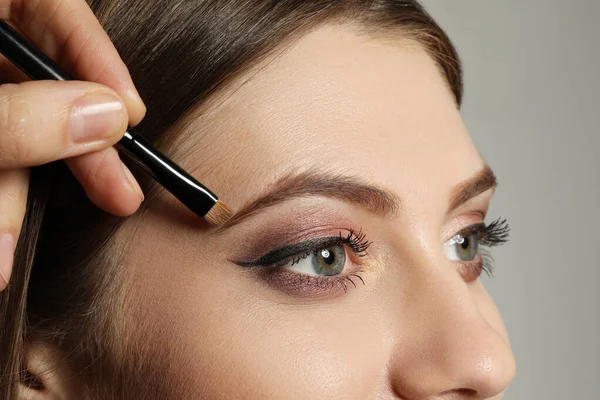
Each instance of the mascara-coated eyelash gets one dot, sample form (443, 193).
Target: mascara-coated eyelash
(357, 242)
(496, 233)
(493, 234)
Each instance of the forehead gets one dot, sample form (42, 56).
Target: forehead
(336, 100)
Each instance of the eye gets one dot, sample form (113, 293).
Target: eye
(462, 247)
(318, 267)
(328, 261)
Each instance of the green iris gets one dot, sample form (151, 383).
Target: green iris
(466, 247)
(329, 261)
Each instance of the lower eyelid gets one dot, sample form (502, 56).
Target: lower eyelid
(311, 286)
(471, 270)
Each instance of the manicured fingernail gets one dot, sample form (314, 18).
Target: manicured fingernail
(7, 253)
(96, 116)
(133, 184)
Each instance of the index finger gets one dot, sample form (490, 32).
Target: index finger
(69, 33)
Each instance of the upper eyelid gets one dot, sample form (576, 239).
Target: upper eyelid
(473, 228)
(322, 241)
(296, 249)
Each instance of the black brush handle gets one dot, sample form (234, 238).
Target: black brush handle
(171, 176)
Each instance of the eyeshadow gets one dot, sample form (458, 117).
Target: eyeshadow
(285, 229)
(308, 286)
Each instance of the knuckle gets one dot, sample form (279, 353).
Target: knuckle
(15, 124)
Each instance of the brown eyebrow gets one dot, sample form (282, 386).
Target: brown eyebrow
(350, 189)
(315, 183)
(481, 182)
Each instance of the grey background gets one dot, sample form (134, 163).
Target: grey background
(532, 106)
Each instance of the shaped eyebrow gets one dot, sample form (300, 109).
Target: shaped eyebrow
(466, 190)
(351, 190)
(315, 183)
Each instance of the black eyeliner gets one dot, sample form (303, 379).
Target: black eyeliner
(471, 229)
(356, 241)
(284, 253)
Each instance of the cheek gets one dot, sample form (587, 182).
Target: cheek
(310, 356)
(230, 344)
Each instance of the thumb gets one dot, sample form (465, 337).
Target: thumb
(45, 121)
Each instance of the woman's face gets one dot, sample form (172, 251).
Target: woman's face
(350, 172)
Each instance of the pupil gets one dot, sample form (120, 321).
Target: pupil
(465, 244)
(328, 257)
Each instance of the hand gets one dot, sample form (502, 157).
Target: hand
(45, 121)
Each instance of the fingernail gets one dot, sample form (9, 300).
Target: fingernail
(133, 184)
(7, 253)
(96, 116)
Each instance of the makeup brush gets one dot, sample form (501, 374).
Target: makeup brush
(171, 176)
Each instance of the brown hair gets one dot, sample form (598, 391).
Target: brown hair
(179, 52)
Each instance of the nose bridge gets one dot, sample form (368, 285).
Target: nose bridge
(445, 344)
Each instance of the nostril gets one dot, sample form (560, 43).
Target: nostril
(456, 394)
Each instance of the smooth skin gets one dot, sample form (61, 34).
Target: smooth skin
(418, 329)
(46, 121)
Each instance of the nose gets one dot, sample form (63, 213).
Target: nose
(450, 342)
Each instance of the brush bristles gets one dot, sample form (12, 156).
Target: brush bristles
(219, 214)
